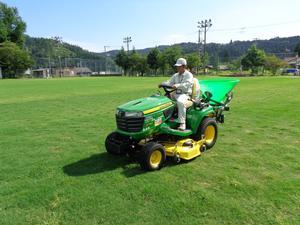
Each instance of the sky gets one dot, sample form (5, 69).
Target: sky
(93, 24)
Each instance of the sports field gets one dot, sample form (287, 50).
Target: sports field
(55, 170)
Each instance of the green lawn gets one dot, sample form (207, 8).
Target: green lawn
(55, 170)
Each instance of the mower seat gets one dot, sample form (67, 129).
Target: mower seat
(195, 93)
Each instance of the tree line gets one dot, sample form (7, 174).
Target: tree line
(155, 61)
(161, 62)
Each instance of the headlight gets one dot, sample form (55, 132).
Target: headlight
(134, 114)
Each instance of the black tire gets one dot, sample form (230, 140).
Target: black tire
(209, 129)
(112, 144)
(153, 156)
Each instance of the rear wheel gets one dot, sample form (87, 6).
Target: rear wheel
(208, 129)
(153, 156)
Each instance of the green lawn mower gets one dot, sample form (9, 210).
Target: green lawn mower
(147, 127)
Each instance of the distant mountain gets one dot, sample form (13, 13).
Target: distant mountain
(278, 46)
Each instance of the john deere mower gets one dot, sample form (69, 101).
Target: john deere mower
(147, 127)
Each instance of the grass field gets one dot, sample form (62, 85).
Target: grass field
(55, 170)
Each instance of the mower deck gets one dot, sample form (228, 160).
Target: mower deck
(185, 149)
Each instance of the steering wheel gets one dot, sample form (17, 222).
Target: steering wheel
(167, 88)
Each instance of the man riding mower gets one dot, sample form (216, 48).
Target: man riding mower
(148, 127)
(182, 82)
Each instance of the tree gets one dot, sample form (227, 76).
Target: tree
(215, 61)
(12, 27)
(254, 59)
(273, 63)
(13, 60)
(122, 60)
(297, 49)
(193, 61)
(153, 59)
(137, 63)
(171, 55)
(205, 59)
(226, 56)
(142, 65)
(162, 62)
(133, 60)
(235, 64)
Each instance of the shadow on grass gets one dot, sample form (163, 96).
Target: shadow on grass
(100, 163)
(104, 162)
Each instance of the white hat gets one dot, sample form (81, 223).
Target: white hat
(180, 62)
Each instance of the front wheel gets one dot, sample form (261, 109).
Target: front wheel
(209, 129)
(153, 156)
(115, 145)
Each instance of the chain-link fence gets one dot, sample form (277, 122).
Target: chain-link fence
(44, 67)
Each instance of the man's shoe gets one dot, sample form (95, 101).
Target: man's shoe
(181, 127)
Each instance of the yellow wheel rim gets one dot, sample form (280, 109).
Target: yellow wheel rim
(155, 159)
(210, 133)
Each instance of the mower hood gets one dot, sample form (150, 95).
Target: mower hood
(218, 88)
(146, 105)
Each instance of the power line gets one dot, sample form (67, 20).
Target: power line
(254, 27)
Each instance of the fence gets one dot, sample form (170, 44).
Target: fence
(60, 66)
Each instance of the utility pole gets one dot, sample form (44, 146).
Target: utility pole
(199, 40)
(49, 66)
(199, 44)
(80, 65)
(105, 47)
(127, 40)
(296, 64)
(60, 71)
(204, 25)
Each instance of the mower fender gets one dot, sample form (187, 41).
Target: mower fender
(195, 117)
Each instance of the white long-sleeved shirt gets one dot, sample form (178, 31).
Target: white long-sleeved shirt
(183, 82)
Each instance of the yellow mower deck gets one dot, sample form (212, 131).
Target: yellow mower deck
(185, 149)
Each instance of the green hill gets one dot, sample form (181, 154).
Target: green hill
(45, 50)
(54, 51)
(281, 47)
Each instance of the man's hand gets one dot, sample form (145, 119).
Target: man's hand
(174, 86)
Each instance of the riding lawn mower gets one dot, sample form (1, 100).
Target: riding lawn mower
(147, 127)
